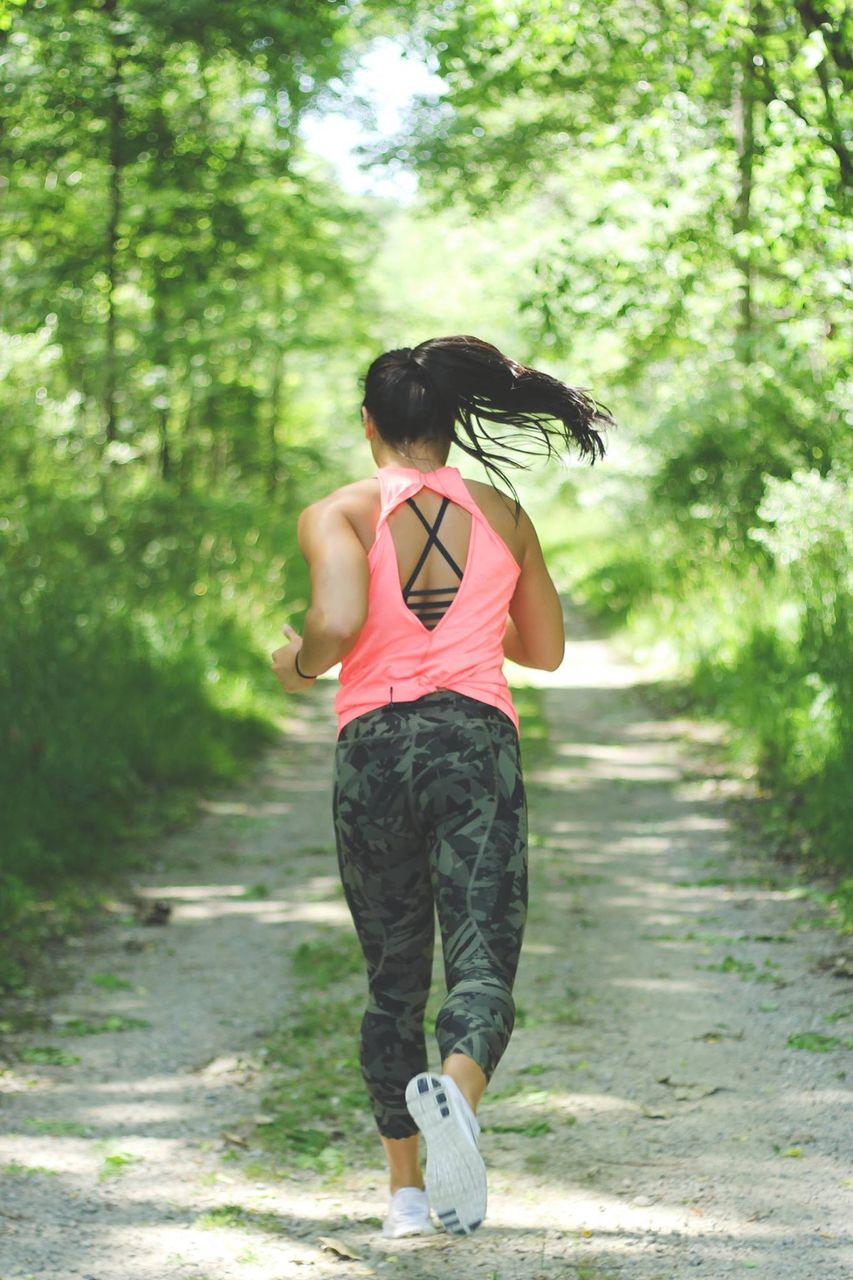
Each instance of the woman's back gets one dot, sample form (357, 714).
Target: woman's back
(361, 501)
(441, 582)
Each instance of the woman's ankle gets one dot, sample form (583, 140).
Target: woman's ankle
(404, 1166)
(467, 1075)
(396, 1185)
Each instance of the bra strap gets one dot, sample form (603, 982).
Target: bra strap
(432, 540)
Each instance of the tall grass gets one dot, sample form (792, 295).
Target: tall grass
(760, 637)
(134, 665)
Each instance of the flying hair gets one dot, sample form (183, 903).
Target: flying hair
(455, 389)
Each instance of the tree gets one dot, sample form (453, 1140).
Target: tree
(154, 192)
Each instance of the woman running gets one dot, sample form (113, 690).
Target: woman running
(422, 582)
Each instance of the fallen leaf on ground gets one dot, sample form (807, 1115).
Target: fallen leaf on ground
(839, 966)
(236, 1139)
(339, 1247)
(687, 1091)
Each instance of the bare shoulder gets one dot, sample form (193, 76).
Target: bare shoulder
(499, 508)
(347, 496)
(358, 502)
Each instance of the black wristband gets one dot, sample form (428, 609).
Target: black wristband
(298, 672)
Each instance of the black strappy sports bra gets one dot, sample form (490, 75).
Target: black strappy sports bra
(429, 612)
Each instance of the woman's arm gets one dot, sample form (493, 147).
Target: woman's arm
(340, 577)
(534, 635)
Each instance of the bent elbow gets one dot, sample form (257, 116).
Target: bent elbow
(343, 631)
(557, 656)
(542, 660)
(341, 628)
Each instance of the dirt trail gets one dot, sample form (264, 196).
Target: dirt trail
(650, 1119)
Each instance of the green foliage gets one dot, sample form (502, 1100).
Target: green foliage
(746, 599)
(842, 898)
(164, 255)
(256, 893)
(235, 1216)
(89, 1027)
(530, 1129)
(116, 1164)
(134, 663)
(302, 1128)
(14, 1168)
(534, 734)
(305, 1105)
(109, 982)
(661, 205)
(612, 589)
(690, 188)
(58, 1128)
(818, 1042)
(787, 680)
(47, 1055)
(324, 962)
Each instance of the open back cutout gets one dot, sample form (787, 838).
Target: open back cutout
(431, 542)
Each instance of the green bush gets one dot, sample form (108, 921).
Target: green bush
(759, 634)
(134, 661)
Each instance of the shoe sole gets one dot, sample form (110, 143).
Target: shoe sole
(455, 1173)
(402, 1233)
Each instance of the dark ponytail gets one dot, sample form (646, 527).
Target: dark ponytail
(444, 389)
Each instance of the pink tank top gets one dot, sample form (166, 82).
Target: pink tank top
(396, 658)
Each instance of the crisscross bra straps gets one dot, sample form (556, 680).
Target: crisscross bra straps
(431, 612)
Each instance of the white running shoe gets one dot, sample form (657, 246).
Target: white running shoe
(455, 1172)
(408, 1214)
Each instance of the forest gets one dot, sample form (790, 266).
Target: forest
(652, 201)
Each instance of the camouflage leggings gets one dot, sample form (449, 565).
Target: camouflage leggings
(430, 812)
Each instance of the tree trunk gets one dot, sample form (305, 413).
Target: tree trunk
(188, 440)
(274, 415)
(114, 207)
(743, 115)
(218, 457)
(163, 407)
(276, 386)
(165, 453)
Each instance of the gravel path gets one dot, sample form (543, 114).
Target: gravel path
(650, 1119)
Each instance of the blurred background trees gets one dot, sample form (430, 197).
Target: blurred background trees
(650, 201)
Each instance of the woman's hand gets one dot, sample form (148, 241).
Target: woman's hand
(283, 663)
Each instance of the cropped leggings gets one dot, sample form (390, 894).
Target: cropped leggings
(430, 816)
